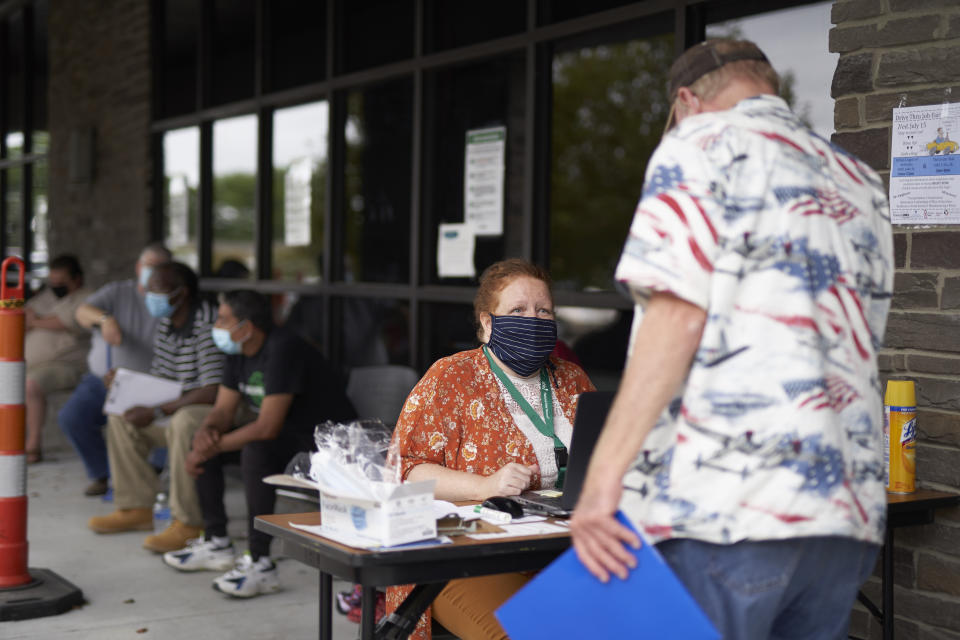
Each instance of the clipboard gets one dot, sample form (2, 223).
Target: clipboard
(567, 601)
(133, 388)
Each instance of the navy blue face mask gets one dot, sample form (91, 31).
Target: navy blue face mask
(522, 343)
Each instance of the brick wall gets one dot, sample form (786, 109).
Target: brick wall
(893, 49)
(100, 78)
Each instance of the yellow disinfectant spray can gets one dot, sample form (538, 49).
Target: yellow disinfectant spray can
(900, 436)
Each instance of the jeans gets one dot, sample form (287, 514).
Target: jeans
(82, 420)
(779, 589)
(257, 460)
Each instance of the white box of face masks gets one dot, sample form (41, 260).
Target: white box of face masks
(403, 514)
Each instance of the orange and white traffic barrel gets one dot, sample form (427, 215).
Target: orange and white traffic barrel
(13, 471)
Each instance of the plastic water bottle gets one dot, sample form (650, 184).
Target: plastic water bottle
(161, 513)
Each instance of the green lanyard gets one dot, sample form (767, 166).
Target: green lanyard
(545, 424)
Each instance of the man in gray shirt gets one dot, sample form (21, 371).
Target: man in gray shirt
(124, 339)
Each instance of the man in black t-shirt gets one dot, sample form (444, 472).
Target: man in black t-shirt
(277, 387)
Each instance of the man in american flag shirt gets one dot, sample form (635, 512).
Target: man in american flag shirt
(746, 438)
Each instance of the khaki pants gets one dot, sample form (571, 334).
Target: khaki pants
(135, 481)
(465, 607)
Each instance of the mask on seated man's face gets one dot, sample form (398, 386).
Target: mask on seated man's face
(221, 338)
(59, 290)
(158, 304)
(524, 344)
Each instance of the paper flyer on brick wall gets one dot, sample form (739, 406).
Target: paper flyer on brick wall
(925, 165)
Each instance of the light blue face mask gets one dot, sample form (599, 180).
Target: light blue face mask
(221, 338)
(158, 304)
(145, 273)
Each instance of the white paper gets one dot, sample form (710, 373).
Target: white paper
(135, 389)
(925, 165)
(455, 246)
(296, 203)
(363, 543)
(484, 171)
(520, 530)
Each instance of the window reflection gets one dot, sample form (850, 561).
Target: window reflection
(299, 190)
(464, 22)
(375, 32)
(181, 179)
(39, 252)
(609, 109)
(298, 41)
(377, 183)
(489, 94)
(15, 77)
(599, 339)
(800, 55)
(13, 221)
(179, 47)
(373, 331)
(233, 50)
(234, 190)
(445, 329)
(41, 136)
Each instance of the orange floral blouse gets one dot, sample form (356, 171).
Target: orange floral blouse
(456, 417)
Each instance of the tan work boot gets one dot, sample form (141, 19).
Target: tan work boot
(172, 538)
(123, 520)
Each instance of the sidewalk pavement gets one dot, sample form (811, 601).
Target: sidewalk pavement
(130, 593)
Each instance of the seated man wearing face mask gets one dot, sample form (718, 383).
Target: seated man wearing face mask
(183, 350)
(282, 387)
(122, 336)
(55, 345)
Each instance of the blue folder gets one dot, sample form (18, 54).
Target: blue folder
(567, 601)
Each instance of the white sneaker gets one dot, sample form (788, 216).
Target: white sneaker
(249, 578)
(200, 555)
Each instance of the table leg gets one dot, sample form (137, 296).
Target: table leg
(399, 624)
(326, 606)
(368, 607)
(887, 584)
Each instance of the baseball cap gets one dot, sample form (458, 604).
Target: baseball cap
(701, 59)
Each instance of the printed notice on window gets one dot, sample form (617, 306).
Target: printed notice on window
(483, 180)
(455, 251)
(296, 203)
(178, 233)
(925, 165)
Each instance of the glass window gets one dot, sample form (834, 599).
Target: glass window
(181, 180)
(377, 183)
(298, 30)
(41, 135)
(15, 77)
(39, 225)
(234, 191)
(232, 77)
(464, 22)
(178, 54)
(478, 96)
(599, 339)
(445, 329)
(13, 221)
(799, 54)
(375, 32)
(609, 109)
(373, 331)
(550, 11)
(299, 191)
(307, 316)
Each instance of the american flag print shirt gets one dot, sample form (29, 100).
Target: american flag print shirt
(785, 241)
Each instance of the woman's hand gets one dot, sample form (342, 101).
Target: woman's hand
(510, 480)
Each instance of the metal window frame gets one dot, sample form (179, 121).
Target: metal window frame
(535, 43)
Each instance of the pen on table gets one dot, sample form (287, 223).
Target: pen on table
(492, 514)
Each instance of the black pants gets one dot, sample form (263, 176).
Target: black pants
(257, 460)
